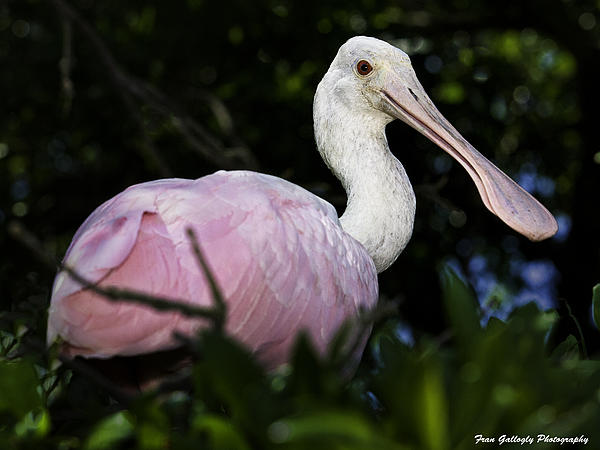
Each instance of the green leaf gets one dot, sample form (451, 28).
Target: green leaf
(434, 408)
(110, 431)
(34, 423)
(461, 307)
(18, 388)
(221, 433)
(546, 320)
(307, 373)
(152, 434)
(151, 424)
(385, 344)
(596, 305)
(330, 429)
(228, 373)
(567, 349)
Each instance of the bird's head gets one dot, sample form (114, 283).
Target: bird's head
(376, 80)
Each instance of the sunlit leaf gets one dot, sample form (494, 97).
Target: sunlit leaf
(331, 429)
(35, 423)
(434, 408)
(151, 423)
(152, 438)
(221, 433)
(110, 431)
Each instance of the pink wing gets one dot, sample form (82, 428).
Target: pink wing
(278, 252)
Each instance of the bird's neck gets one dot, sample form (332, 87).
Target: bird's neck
(381, 203)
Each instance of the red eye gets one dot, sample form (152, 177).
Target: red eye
(364, 67)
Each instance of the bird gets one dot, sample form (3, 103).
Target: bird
(282, 258)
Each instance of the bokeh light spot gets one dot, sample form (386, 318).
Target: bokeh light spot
(587, 21)
(433, 64)
(20, 28)
(3, 150)
(20, 209)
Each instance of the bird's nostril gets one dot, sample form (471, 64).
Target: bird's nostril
(413, 94)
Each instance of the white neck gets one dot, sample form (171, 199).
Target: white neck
(381, 203)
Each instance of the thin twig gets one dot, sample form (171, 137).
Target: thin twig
(64, 66)
(584, 352)
(88, 372)
(130, 296)
(97, 378)
(112, 293)
(220, 307)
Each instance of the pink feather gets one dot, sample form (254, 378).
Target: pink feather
(278, 253)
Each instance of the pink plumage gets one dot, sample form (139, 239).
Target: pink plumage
(278, 253)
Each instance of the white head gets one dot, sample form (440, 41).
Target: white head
(374, 82)
(361, 71)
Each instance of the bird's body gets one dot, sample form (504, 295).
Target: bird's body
(282, 258)
(278, 253)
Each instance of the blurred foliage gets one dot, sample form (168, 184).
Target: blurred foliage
(596, 306)
(503, 378)
(86, 112)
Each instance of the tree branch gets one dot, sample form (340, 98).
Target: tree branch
(64, 66)
(119, 80)
(129, 87)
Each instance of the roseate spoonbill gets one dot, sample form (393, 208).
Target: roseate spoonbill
(282, 258)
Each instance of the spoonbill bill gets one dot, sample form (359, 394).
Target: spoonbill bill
(282, 258)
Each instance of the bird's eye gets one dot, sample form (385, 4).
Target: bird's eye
(364, 67)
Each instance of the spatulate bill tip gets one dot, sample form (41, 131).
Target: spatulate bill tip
(536, 229)
(545, 233)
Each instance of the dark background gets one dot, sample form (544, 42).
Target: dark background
(96, 96)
